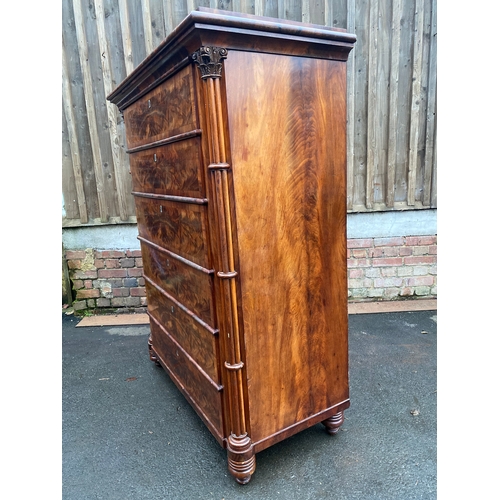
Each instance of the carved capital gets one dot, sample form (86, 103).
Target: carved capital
(209, 60)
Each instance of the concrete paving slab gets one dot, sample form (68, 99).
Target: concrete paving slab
(128, 433)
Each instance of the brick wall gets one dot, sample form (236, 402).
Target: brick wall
(392, 268)
(106, 279)
(378, 269)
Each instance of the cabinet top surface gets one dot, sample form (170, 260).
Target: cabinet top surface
(238, 31)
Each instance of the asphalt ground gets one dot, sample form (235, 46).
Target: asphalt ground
(128, 433)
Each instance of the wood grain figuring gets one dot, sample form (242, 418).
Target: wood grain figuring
(179, 227)
(194, 338)
(171, 169)
(240, 189)
(165, 111)
(191, 287)
(202, 395)
(288, 151)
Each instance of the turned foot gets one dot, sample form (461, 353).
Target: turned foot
(333, 423)
(240, 458)
(152, 353)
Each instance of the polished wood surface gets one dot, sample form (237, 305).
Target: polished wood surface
(287, 132)
(156, 170)
(236, 135)
(165, 111)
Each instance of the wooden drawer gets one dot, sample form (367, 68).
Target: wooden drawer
(196, 339)
(165, 111)
(204, 394)
(191, 287)
(178, 227)
(172, 169)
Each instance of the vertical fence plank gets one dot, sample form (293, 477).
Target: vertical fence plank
(191, 5)
(116, 141)
(351, 120)
(126, 36)
(393, 102)
(73, 139)
(148, 31)
(434, 170)
(415, 100)
(91, 114)
(371, 147)
(431, 111)
(306, 13)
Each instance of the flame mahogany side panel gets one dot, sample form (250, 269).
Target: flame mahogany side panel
(287, 129)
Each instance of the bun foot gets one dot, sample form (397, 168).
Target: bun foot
(240, 458)
(333, 423)
(152, 353)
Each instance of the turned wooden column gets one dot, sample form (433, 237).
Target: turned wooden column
(241, 455)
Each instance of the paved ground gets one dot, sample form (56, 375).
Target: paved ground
(129, 434)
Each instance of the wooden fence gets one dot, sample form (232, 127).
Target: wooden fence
(391, 96)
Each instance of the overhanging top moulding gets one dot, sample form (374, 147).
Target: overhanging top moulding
(234, 30)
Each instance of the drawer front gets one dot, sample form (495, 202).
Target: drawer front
(206, 397)
(195, 339)
(178, 227)
(173, 169)
(165, 111)
(191, 287)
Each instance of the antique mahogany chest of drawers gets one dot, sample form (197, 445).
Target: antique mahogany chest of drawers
(235, 128)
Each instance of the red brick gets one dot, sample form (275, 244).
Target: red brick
(405, 251)
(134, 271)
(358, 263)
(109, 254)
(356, 273)
(433, 250)
(75, 254)
(121, 292)
(388, 282)
(74, 264)
(384, 252)
(87, 294)
(84, 275)
(388, 261)
(421, 240)
(138, 292)
(420, 259)
(127, 262)
(358, 253)
(427, 240)
(99, 263)
(389, 242)
(88, 284)
(77, 284)
(421, 250)
(421, 281)
(360, 243)
(112, 263)
(126, 302)
(112, 273)
(411, 241)
(133, 253)
(138, 262)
